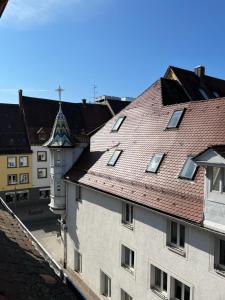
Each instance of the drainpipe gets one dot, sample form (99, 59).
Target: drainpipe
(64, 225)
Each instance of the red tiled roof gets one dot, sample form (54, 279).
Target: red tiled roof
(144, 133)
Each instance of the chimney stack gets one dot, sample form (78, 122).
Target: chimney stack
(84, 101)
(199, 71)
(20, 92)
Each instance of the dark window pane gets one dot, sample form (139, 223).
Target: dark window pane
(222, 252)
(178, 290)
(127, 212)
(132, 259)
(174, 120)
(164, 281)
(127, 256)
(182, 236)
(157, 277)
(174, 232)
(155, 162)
(186, 293)
(131, 212)
(188, 169)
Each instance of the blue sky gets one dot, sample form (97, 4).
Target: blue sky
(122, 45)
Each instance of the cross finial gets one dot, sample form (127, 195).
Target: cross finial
(59, 90)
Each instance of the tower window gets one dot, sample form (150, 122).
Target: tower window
(175, 119)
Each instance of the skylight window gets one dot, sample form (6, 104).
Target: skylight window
(175, 120)
(189, 169)
(155, 163)
(204, 94)
(118, 123)
(216, 94)
(114, 157)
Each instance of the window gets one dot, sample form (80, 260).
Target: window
(114, 158)
(10, 197)
(220, 255)
(189, 169)
(42, 172)
(11, 162)
(44, 194)
(24, 178)
(216, 94)
(176, 235)
(78, 193)
(175, 120)
(105, 285)
(127, 258)
(204, 94)
(125, 296)
(127, 214)
(22, 196)
(155, 163)
(159, 281)
(23, 161)
(77, 262)
(12, 179)
(118, 123)
(180, 291)
(41, 156)
(217, 179)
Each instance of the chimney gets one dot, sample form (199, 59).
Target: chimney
(199, 71)
(20, 93)
(84, 101)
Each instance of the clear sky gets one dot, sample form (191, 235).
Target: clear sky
(122, 45)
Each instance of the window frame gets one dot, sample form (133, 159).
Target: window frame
(213, 195)
(159, 164)
(15, 183)
(177, 246)
(220, 268)
(130, 213)
(119, 154)
(105, 279)
(122, 118)
(193, 173)
(77, 261)
(21, 174)
(129, 253)
(11, 157)
(40, 177)
(20, 165)
(41, 160)
(183, 285)
(179, 121)
(78, 196)
(44, 190)
(125, 295)
(153, 285)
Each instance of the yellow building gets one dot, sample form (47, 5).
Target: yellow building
(15, 156)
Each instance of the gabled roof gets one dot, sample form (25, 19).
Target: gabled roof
(3, 4)
(60, 137)
(144, 133)
(13, 136)
(213, 155)
(24, 274)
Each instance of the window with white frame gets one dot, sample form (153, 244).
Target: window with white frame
(175, 119)
(118, 123)
(127, 214)
(77, 261)
(42, 156)
(159, 281)
(24, 178)
(12, 179)
(127, 258)
(23, 161)
(42, 173)
(11, 162)
(176, 235)
(105, 285)
(219, 259)
(115, 156)
(189, 169)
(179, 291)
(125, 295)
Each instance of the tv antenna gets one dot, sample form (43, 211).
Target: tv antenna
(94, 90)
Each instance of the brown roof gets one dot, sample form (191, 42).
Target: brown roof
(13, 137)
(117, 105)
(144, 133)
(82, 118)
(3, 4)
(24, 274)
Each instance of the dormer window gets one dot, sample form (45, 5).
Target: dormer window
(118, 123)
(114, 157)
(204, 94)
(175, 119)
(155, 163)
(189, 169)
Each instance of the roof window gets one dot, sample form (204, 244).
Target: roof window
(118, 123)
(175, 120)
(216, 94)
(114, 157)
(155, 163)
(204, 94)
(189, 169)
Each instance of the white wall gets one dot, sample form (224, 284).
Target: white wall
(37, 182)
(95, 229)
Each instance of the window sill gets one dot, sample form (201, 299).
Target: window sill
(159, 293)
(130, 270)
(128, 225)
(220, 271)
(179, 251)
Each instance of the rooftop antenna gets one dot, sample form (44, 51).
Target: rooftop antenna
(59, 90)
(94, 90)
